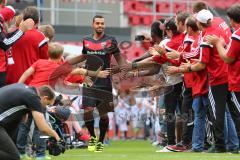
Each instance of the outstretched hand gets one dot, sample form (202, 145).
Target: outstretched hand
(173, 55)
(114, 70)
(127, 75)
(126, 67)
(88, 81)
(103, 74)
(153, 51)
(159, 49)
(171, 70)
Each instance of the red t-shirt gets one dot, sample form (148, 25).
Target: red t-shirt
(234, 68)
(187, 54)
(175, 43)
(3, 58)
(43, 68)
(31, 47)
(200, 83)
(217, 69)
(224, 30)
(198, 80)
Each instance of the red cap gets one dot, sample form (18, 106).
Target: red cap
(7, 13)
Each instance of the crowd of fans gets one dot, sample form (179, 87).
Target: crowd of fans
(203, 49)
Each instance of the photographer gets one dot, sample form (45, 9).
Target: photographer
(24, 99)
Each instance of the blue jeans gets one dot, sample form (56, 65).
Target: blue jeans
(200, 105)
(23, 131)
(230, 134)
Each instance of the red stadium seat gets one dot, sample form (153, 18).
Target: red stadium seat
(134, 20)
(147, 20)
(133, 52)
(222, 4)
(163, 7)
(179, 7)
(127, 6)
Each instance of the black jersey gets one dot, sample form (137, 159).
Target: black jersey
(103, 49)
(15, 101)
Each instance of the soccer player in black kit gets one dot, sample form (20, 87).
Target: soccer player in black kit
(102, 46)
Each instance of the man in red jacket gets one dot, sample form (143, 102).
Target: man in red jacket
(231, 57)
(31, 47)
(6, 15)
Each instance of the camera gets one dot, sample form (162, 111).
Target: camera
(139, 37)
(56, 148)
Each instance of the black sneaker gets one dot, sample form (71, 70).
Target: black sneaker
(216, 150)
(233, 151)
(194, 151)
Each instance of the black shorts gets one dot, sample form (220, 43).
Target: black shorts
(100, 97)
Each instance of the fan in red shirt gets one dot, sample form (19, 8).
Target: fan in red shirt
(217, 22)
(198, 85)
(42, 68)
(190, 54)
(6, 15)
(231, 56)
(31, 47)
(175, 43)
(233, 67)
(217, 77)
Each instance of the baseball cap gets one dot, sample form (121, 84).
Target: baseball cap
(7, 13)
(203, 16)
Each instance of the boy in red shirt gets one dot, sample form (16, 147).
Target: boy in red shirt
(42, 68)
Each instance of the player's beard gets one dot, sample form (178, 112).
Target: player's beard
(99, 32)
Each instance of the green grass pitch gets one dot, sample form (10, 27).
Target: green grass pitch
(139, 150)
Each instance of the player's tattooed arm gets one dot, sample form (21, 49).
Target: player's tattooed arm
(99, 73)
(77, 59)
(146, 55)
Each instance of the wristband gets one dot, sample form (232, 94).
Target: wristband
(161, 52)
(189, 69)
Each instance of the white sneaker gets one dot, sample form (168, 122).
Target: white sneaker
(155, 143)
(163, 150)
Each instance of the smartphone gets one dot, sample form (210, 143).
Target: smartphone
(139, 37)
